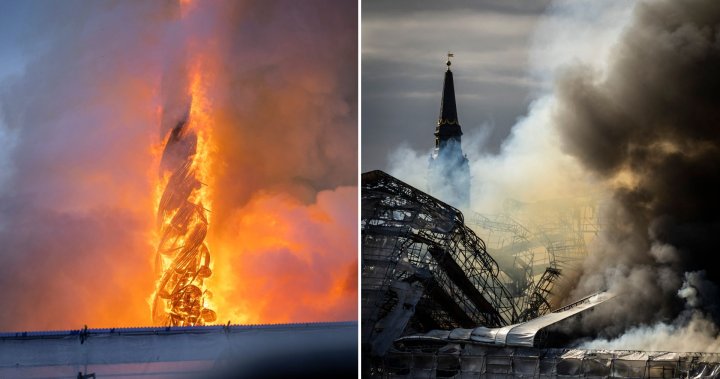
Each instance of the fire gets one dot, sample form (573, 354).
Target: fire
(286, 261)
(183, 216)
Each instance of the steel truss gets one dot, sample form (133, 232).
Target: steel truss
(424, 269)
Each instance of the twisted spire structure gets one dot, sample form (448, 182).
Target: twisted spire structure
(182, 257)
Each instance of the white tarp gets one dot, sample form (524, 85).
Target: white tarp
(522, 334)
(485, 361)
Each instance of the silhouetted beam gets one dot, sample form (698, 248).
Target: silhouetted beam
(448, 304)
(389, 230)
(459, 277)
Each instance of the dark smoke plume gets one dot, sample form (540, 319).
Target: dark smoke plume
(650, 126)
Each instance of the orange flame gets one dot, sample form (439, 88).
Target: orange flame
(183, 204)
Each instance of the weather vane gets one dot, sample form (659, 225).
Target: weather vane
(450, 55)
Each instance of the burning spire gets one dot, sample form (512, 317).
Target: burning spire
(183, 257)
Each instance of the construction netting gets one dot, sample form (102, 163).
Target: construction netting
(424, 269)
(478, 361)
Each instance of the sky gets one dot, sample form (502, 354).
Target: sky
(404, 49)
(88, 93)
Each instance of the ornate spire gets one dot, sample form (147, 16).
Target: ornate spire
(449, 170)
(448, 123)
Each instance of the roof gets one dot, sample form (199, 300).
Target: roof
(522, 334)
(169, 351)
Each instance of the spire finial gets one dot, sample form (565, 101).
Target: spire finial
(448, 63)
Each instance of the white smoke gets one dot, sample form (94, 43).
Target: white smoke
(696, 334)
(532, 167)
(692, 330)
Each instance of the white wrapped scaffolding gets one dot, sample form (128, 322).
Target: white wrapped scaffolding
(515, 352)
(522, 334)
(488, 362)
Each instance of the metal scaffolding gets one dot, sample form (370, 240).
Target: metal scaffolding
(478, 361)
(531, 350)
(424, 269)
(535, 242)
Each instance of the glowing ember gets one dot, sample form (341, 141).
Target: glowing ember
(183, 257)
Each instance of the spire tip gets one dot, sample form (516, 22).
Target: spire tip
(449, 55)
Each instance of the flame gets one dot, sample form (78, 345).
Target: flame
(84, 224)
(183, 203)
(182, 197)
(287, 261)
(200, 122)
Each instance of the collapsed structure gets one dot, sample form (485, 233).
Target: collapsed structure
(436, 304)
(527, 239)
(424, 269)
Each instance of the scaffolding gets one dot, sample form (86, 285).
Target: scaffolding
(534, 243)
(424, 269)
(478, 361)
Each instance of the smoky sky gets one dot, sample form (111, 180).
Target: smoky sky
(78, 115)
(403, 54)
(82, 114)
(649, 125)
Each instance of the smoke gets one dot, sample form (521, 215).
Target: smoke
(529, 167)
(647, 127)
(102, 83)
(308, 262)
(76, 204)
(286, 124)
(696, 334)
(626, 112)
(691, 330)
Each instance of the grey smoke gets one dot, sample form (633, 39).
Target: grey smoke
(648, 126)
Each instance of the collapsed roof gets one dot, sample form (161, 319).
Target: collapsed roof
(424, 269)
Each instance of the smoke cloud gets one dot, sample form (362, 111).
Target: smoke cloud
(692, 330)
(647, 126)
(530, 166)
(627, 113)
(82, 121)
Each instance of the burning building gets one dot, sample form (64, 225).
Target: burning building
(628, 107)
(198, 177)
(424, 269)
(436, 304)
(183, 257)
